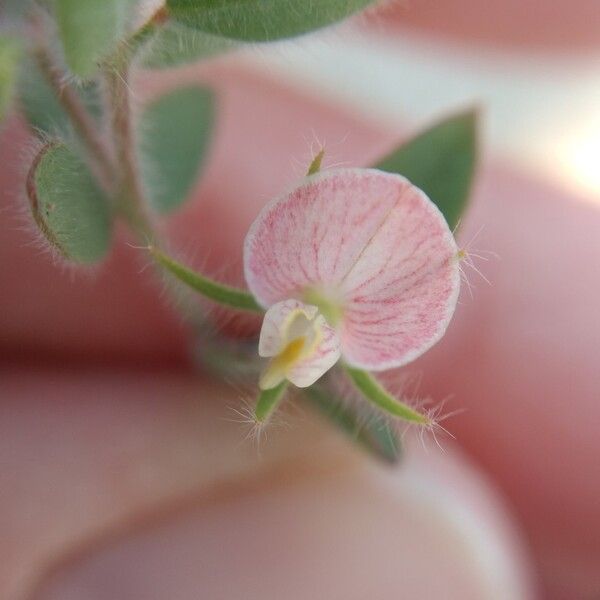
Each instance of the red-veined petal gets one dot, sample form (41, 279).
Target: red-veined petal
(369, 242)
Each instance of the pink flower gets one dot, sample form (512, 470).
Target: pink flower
(355, 263)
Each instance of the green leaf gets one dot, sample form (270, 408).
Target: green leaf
(268, 401)
(175, 44)
(375, 435)
(90, 31)
(440, 161)
(41, 107)
(67, 205)
(175, 133)
(10, 52)
(373, 391)
(222, 294)
(261, 20)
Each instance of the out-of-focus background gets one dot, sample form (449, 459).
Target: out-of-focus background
(533, 69)
(102, 427)
(538, 90)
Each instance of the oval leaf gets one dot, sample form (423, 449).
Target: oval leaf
(175, 44)
(261, 20)
(69, 208)
(90, 31)
(175, 132)
(441, 161)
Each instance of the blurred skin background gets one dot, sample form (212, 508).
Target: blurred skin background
(122, 474)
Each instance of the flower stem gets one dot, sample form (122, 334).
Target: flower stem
(78, 114)
(378, 395)
(130, 193)
(222, 294)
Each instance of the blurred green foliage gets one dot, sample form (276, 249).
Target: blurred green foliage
(68, 206)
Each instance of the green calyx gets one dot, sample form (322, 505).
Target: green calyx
(268, 401)
(373, 391)
(315, 165)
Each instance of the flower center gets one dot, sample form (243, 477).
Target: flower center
(289, 355)
(331, 310)
(299, 333)
(300, 343)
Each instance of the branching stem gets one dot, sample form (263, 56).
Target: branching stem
(82, 121)
(130, 191)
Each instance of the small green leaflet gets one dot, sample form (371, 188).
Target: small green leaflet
(175, 134)
(441, 161)
(261, 20)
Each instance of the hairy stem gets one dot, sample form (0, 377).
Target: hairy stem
(130, 192)
(218, 292)
(79, 116)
